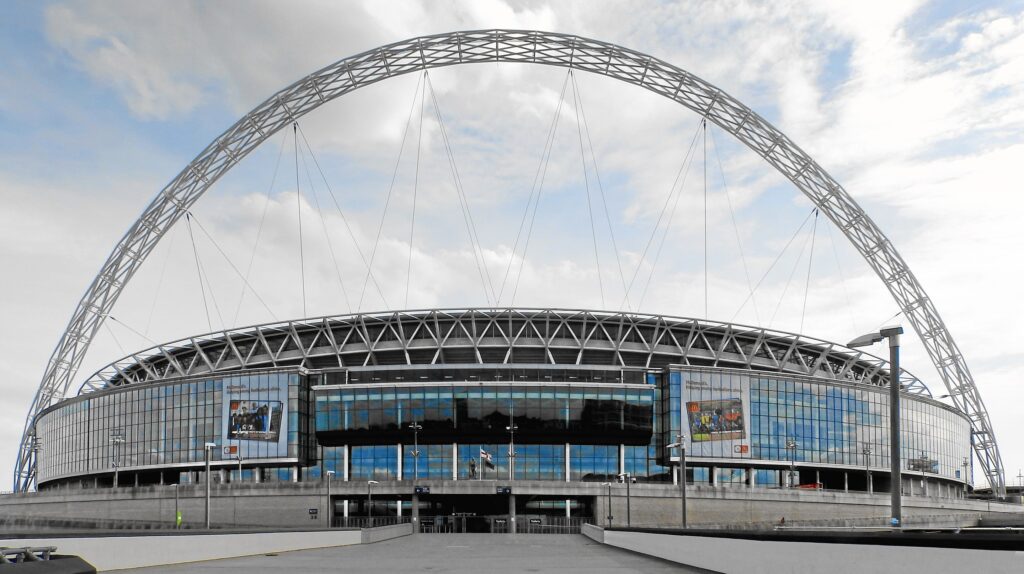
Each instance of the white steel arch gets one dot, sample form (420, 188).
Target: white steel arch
(454, 48)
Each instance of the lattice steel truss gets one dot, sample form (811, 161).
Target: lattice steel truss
(498, 336)
(660, 77)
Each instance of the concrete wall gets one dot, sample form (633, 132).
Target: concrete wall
(657, 505)
(289, 504)
(381, 533)
(119, 552)
(731, 555)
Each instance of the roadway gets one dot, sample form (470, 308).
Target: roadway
(454, 553)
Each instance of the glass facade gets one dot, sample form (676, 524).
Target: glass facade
(168, 425)
(750, 416)
(742, 427)
(352, 414)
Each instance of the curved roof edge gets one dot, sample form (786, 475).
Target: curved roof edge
(496, 335)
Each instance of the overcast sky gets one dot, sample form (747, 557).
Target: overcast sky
(917, 108)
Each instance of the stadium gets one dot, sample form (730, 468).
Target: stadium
(576, 397)
(475, 416)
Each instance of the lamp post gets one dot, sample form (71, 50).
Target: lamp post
(791, 445)
(330, 505)
(896, 480)
(681, 445)
(609, 485)
(511, 428)
(416, 428)
(208, 447)
(966, 463)
(369, 501)
(866, 451)
(626, 476)
(116, 439)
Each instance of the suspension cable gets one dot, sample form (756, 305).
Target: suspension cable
(199, 272)
(704, 126)
(415, 187)
(113, 336)
(600, 187)
(387, 198)
(687, 164)
(127, 326)
(657, 224)
(160, 281)
(233, 268)
(538, 176)
(344, 219)
(735, 227)
(772, 266)
(327, 235)
(792, 273)
(810, 259)
(259, 229)
(586, 183)
(467, 214)
(298, 200)
(842, 278)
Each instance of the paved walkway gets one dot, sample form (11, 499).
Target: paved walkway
(445, 553)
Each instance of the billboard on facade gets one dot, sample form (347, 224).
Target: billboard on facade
(255, 416)
(254, 420)
(716, 420)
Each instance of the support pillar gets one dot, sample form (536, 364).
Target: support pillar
(512, 514)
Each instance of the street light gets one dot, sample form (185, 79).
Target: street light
(896, 480)
(866, 451)
(791, 445)
(369, 501)
(208, 447)
(416, 428)
(511, 428)
(330, 505)
(116, 439)
(681, 445)
(609, 485)
(966, 463)
(626, 476)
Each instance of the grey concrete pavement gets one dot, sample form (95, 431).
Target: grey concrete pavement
(446, 553)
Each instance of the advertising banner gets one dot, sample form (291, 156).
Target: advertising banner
(255, 416)
(716, 420)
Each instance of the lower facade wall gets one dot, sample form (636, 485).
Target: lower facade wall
(731, 555)
(305, 505)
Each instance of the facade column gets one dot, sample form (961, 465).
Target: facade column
(344, 461)
(846, 482)
(752, 477)
(400, 461)
(622, 458)
(714, 475)
(455, 461)
(344, 508)
(568, 468)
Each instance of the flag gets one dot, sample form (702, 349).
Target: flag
(485, 457)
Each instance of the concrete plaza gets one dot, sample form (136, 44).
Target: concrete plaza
(455, 553)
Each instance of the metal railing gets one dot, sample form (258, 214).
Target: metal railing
(368, 522)
(28, 554)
